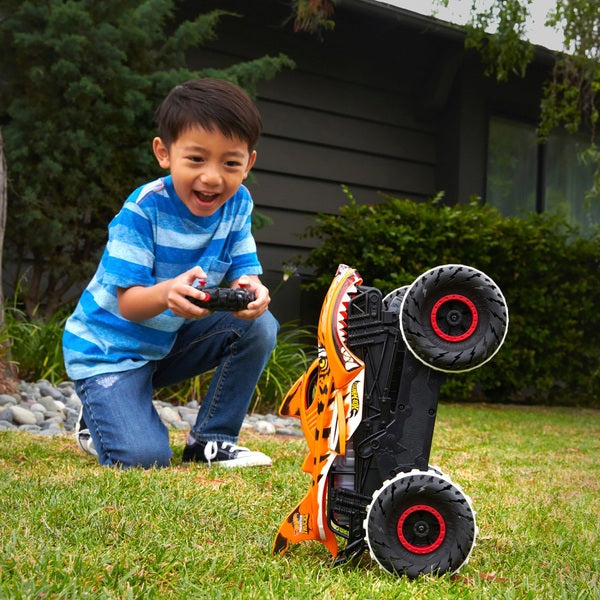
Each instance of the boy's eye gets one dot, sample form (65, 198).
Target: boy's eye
(233, 163)
(195, 159)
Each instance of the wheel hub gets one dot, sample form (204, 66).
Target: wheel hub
(454, 318)
(421, 529)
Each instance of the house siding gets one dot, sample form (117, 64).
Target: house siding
(379, 104)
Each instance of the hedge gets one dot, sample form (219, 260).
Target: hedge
(548, 273)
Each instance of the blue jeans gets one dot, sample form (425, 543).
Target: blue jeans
(118, 410)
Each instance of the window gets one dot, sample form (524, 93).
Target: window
(523, 176)
(512, 167)
(568, 180)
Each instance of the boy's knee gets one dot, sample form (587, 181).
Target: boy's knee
(265, 329)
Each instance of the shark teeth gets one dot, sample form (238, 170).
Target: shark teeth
(342, 327)
(349, 360)
(342, 315)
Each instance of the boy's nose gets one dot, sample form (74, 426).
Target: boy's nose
(210, 176)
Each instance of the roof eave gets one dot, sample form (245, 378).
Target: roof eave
(428, 24)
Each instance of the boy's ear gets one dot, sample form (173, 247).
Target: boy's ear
(161, 152)
(251, 162)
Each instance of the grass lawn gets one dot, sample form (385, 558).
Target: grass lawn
(71, 529)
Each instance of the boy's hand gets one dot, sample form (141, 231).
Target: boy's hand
(139, 302)
(261, 296)
(183, 286)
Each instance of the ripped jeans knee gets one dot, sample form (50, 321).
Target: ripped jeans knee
(124, 425)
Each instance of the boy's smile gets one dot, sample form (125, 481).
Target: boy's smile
(206, 166)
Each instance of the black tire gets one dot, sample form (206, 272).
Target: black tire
(393, 301)
(420, 523)
(453, 318)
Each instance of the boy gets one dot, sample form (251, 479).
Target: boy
(134, 329)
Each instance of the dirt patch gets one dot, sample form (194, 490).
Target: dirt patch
(9, 378)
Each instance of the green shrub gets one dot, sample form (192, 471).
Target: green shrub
(548, 274)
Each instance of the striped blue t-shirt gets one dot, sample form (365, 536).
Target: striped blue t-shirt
(153, 238)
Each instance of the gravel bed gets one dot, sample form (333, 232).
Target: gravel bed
(47, 409)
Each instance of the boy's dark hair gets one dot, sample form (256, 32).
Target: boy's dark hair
(210, 103)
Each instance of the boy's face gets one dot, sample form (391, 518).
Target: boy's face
(207, 167)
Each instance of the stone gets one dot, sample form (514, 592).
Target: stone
(29, 391)
(66, 387)
(6, 414)
(6, 400)
(71, 421)
(52, 428)
(55, 413)
(30, 428)
(189, 417)
(73, 401)
(168, 415)
(290, 431)
(22, 416)
(47, 389)
(264, 427)
(48, 402)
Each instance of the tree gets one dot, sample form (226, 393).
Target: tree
(7, 368)
(313, 16)
(80, 83)
(2, 218)
(571, 97)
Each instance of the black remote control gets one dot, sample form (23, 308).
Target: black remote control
(231, 299)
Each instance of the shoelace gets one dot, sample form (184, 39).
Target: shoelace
(212, 448)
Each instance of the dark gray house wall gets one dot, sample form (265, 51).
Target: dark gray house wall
(389, 101)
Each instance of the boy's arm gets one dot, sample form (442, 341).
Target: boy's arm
(261, 296)
(140, 302)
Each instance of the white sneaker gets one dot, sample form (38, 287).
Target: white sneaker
(224, 454)
(83, 437)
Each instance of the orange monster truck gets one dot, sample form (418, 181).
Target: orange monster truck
(367, 406)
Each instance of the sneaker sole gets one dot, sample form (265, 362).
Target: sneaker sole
(256, 460)
(84, 441)
(83, 437)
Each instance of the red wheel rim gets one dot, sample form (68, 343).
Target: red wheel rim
(422, 523)
(462, 305)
